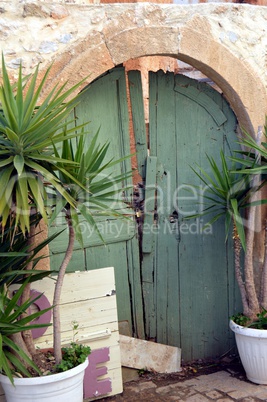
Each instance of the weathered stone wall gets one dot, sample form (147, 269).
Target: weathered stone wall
(227, 42)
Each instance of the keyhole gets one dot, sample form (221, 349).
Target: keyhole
(173, 217)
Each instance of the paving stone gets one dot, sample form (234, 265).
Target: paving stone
(219, 387)
(222, 382)
(261, 393)
(133, 389)
(183, 392)
(249, 399)
(238, 394)
(189, 392)
(197, 398)
(226, 400)
(147, 385)
(164, 390)
(180, 386)
(214, 394)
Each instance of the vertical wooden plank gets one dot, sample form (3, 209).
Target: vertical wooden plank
(153, 110)
(124, 134)
(133, 262)
(149, 204)
(163, 142)
(149, 262)
(149, 259)
(138, 115)
(101, 104)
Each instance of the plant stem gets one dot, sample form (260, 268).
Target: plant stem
(263, 297)
(20, 342)
(27, 335)
(58, 288)
(253, 302)
(252, 297)
(238, 274)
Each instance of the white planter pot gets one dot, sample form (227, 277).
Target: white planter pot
(252, 349)
(60, 387)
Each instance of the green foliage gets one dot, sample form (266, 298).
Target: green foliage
(28, 133)
(240, 319)
(260, 323)
(11, 323)
(231, 184)
(254, 160)
(98, 192)
(73, 355)
(75, 327)
(14, 258)
(14, 254)
(228, 191)
(142, 372)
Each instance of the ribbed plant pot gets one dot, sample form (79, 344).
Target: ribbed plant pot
(60, 387)
(252, 349)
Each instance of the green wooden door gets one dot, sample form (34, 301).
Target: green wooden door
(175, 283)
(187, 269)
(104, 104)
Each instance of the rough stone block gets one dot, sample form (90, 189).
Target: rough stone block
(140, 354)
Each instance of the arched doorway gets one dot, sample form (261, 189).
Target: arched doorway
(196, 35)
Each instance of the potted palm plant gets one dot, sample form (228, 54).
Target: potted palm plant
(233, 191)
(13, 261)
(36, 179)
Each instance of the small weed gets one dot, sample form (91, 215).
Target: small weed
(75, 327)
(73, 355)
(240, 319)
(260, 323)
(142, 372)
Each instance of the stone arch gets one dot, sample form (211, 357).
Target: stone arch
(192, 42)
(242, 86)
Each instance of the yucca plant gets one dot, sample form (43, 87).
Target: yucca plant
(43, 172)
(28, 134)
(233, 193)
(29, 131)
(14, 258)
(103, 197)
(13, 356)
